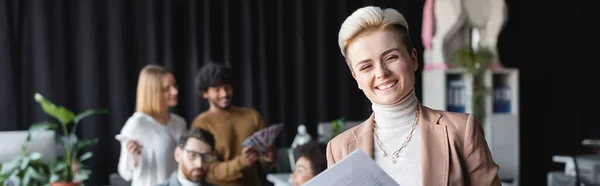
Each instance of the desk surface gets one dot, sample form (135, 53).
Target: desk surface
(280, 179)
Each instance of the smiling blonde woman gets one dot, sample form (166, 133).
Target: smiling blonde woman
(414, 144)
(152, 132)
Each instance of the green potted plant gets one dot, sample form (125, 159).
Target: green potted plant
(68, 171)
(27, 169)
(476, 62)
(337, 126)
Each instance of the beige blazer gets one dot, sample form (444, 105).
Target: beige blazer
(453, 148)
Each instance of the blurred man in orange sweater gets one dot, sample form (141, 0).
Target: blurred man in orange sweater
(230, 125)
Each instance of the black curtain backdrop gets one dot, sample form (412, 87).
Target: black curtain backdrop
(555, 45)
(87, 54)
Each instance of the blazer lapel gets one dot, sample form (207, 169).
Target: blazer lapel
(363, 136)
(434, 148)
(173, 179)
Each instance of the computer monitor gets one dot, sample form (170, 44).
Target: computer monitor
(11, 143)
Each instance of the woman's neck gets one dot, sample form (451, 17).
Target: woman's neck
(401, 113)
(163, 118)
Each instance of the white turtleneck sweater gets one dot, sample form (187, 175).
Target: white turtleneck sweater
(394, 123)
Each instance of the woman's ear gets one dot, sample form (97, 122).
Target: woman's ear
(354, 76)
(413, 57)
(177, 154)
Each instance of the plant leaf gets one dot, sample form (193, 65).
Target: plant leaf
(38, 127)
(35, 156)
(58, 171)
(24, 163)
(59, 166)
(85, 142)
(13, 167)
(44, 170)
(16, 162)
(87, 113)
(3, 175)
(3, 178)
(54, 177)
(25, 179)
(35, 175)
(82, 175)
(85, 156)
(60, 113)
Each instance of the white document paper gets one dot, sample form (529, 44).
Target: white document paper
(122, 138)
(356, 169)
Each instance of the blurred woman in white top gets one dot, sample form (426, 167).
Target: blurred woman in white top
(151, 133)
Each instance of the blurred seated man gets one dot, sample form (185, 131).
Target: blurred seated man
(310, 162)
(194, 155)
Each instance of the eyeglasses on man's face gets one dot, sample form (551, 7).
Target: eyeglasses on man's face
(204, 157)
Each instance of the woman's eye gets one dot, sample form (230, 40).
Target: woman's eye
(365, 67)
(391, 58)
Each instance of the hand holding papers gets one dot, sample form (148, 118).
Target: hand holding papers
(133, 147)
(356, 169)
(263, 138)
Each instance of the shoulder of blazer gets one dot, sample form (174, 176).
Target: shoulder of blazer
(349, 136)
(457, 123)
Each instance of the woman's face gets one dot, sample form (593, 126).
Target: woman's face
(382, 66)
(303, 172)
(169, 87)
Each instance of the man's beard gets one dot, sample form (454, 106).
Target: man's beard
(216, 103)
(188, 174)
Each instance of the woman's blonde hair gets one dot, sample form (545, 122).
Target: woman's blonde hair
(372, 18)
(149, 97)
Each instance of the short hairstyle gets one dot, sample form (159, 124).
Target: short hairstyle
(372, 18)
(149, 97)
(199, 134)
(212, 75)
(315, 153)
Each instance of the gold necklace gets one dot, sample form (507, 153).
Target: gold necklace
(396, 153)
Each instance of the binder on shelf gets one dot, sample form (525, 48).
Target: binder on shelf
(502, 99)
(456, 96)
